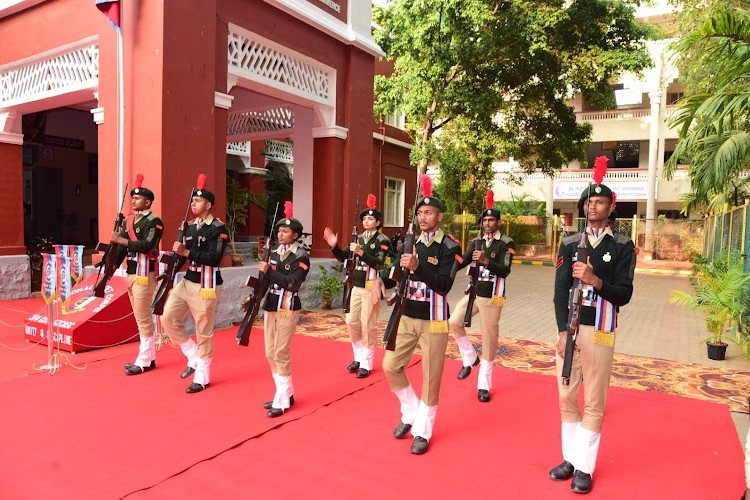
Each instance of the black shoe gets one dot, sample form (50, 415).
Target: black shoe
(195, 387)
(562, 471)
(137, 370)
(269, 404)
(188, 371)
(419, 446)
(581, 482)
(483, 395)
(352, 368)
(401, 430)
(363, 373)
(275, 412)
(465, 371)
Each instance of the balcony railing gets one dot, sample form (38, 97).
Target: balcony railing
(584, 175)
(619, 114)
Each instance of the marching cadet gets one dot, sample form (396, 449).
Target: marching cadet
(433, 266)
(139, 242)
(198, 292)
(286, 271)
(493, 253)
(370, 251)
(607, 279)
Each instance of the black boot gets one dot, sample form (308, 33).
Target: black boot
(581, 482)
(562, 471)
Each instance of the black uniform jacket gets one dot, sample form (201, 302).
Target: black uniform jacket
(438, 263)
(206, 246)
(613, 261)
(148, 230)
(499, 253)
(286, 276)
(374, 253)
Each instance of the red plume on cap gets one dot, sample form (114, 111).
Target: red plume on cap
(371, 201)
(138, 181)
(288, 209)
(614, 197)
(201, 182)
(600, 169)
(490, 200)
(426, 184)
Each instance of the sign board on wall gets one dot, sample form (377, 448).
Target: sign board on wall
(630, 190)
(336, 8)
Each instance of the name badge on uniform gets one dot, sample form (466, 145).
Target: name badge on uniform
(432, 260)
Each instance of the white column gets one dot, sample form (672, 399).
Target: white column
(550, 192)
(303, 167)
(653, 153)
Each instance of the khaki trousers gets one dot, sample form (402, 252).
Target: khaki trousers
(489, 315)
(362, 318)
(141, 297)
(592, 365)
(278, 330)
(186, 297)
(410, 333)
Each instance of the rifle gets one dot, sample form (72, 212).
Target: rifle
(398, 273)
(349, 266)
(574, 313)
(174, 264)
(471, 288)
(260, 287)
(110, 253)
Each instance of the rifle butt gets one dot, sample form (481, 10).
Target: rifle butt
(391, 330)
(243, 333)
(568, 360)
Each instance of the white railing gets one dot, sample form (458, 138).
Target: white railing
(239, 148)
(67, 69)
(268, 120)
(278, 151)
(256, 58)
(614, 114)
(585, 175)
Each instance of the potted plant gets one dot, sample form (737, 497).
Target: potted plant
(720, 293)
(238, 198)
(330, 284)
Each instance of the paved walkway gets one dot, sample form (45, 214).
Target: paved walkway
(649, 326)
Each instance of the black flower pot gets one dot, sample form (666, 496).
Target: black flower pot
(716, 351)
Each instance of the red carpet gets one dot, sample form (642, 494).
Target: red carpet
(98, 434)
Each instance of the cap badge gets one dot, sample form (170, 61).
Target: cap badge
(137, 190)
(288, 222)
(598, 189)
(427, 200)
(199, 192)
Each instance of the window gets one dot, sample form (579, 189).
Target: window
(395, 119)
(393, 204)
(673, 97)
(627, 154)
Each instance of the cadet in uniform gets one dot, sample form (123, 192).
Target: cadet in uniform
(433, 268)
(494, 258)
(139, 242)
(607, 281)
(198, 292)
(370, 251)
(286, 271)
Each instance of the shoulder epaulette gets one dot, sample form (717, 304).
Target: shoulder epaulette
(301, 252)
(217, 222)
(572, 239)
(621, 238)
(451, 241)
(505, 239)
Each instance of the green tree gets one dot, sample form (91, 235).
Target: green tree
(714, 133)
(466, 171)
(515, 64)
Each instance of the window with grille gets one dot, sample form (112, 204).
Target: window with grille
(393, 202)
(395, 119)
(627, 154)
